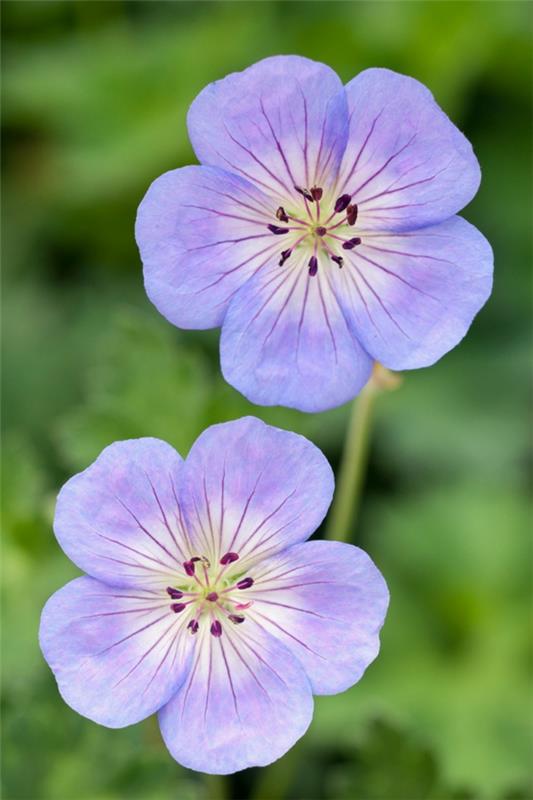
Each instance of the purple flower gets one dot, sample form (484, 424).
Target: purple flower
(203, 601)
(319, 230)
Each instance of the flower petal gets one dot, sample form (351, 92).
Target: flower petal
(117, 654)
(405, 164)
(326, 601)
(412, 296)
(285, 340)
(252, 489)
(202, 232)
(246, 702)
(119, 519)
(280, 123)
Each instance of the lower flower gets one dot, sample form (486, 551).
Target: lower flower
(202, 599)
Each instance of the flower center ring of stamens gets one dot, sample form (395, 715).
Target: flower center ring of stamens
(317, 231)
(211, 592)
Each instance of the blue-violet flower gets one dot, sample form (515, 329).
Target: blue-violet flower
(202, 599)
(319, 230)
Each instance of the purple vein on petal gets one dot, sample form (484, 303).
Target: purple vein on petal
(246, 643)
(272, 190)
(373, 211)
(165, 520)
(362, 149)
(209, 677)
(182, 525)
(258, 161)
(147, 653)
(301, 320)
(306, 134)
(250, 670)
(173, 641)
(383, 166)
(140, 553)
(278, 145)
(401, 188)
(327, 320)
(206, 539)
(262, 576)
(351, 277)
(162, 604)
(409, 255)
(395, 275)
(283, 278)
(191, 678)
(271, 247)
(265, 211)
(318, 171)
(147, 532)
(282, 309)
(299, 585)
(228, 671)
(244, 512)
(341, 308)
(287, 633)
(131, 635)
(230, 241)
(264, 553)
(219, 213)
(255, 271)
(259, 599)
(222, 509)
(266, 519)
(380, 301)
(134, 565)
(208, 509)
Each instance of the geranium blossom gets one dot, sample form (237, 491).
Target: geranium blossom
(319, 231)
(202, 599)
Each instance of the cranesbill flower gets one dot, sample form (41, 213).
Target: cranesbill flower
(202, 599)
(319, 230)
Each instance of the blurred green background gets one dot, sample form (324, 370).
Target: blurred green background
(95, 98)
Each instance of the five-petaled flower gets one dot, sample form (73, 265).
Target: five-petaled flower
(319, 230)
(202, 598)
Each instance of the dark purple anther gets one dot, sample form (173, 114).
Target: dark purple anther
(351, 214)
(193, 626)
(277, 230)
(316, 192)
(216, 628)
(245, 583)
(351, 243)
(321, 231)
(338, 260)
(174, 593)
(281, 214)
(342, 202)
(313, 267)
(229, 558)
(284, 256)
(189, 567)
(236, 618)
(212, 596)
(177, 607)
(305, 192)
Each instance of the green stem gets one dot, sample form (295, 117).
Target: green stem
(275, 781)
(215, 787)
(353, 466)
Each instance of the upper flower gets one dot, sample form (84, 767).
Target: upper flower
(204, 601)
(319, 230)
